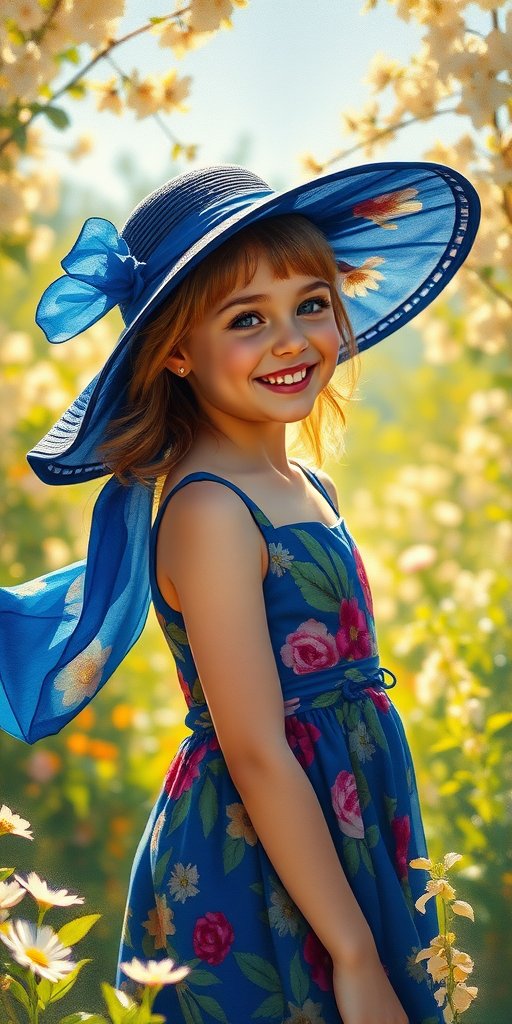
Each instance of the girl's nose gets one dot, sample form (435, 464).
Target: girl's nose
(289, 339)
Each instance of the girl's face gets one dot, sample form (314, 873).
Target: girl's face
(265, 352)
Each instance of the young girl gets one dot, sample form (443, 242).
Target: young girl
(275, 863)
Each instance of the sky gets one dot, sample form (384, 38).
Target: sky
(263, 93)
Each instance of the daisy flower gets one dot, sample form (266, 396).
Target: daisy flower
(10, 894)
(46, 897)
(10, 822)
(154, 972)
(39, 949)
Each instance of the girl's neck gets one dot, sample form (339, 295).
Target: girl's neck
(244, 448)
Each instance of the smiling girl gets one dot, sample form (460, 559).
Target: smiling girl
(275, 862)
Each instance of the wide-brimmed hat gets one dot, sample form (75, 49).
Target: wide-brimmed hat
(399, 231)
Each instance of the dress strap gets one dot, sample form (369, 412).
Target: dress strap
(260, 517)
(316, 483)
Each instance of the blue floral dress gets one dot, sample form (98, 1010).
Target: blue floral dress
(202, 889)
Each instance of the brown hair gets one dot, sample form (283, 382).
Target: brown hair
(162, 407)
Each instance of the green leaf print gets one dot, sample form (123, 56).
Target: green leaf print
(202, 977)
(351, 851)
(315, 587)
(160, 866)
(261, 518)
(341, 569)
(175, 650)
(406, 889)
(273, 1008)
(197, 692)
(299, 980)
(190, 1009)
(319, 554)
(372, 835)
(258, 887)
(390, 802)
(365, 857)
(176, 633)
(232, 853)
(259, 970)
(217, 766)
(211, 1006)
(430, 1020)
(180, 811)
(148, 946)
(353, 716)
(171, 952)
(340, 716)
(208, 805)
(373, 723)
(325, 699)
(362, 787)
(355, 675)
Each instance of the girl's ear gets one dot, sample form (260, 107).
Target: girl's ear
(177, 363)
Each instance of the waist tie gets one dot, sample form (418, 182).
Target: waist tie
(314, 690)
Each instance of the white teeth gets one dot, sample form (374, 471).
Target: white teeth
(288, 378)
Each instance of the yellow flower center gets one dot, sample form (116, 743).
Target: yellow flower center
(354, 632)
(5, 826)
(184, 881)
(38, 957)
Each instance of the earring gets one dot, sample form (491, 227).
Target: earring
(182, 369)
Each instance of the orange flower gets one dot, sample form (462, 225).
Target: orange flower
(159, 922)
(103, 751)
(86, 718)
(78, 743)
(122, 716)
(357, 280)
(240, 826)
(390, 204)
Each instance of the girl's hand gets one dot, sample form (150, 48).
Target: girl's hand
(364, 994)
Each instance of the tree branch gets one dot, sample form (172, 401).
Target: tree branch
(111, 45)
(491, 286)
(381, 133)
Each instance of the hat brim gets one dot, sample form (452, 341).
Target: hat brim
(415, 221)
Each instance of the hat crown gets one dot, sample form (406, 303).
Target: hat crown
(167, 207)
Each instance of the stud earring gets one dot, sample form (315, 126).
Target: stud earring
(182, 369)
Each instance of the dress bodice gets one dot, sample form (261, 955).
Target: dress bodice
(317, 599)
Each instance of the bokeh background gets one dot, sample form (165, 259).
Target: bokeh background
(290, 89)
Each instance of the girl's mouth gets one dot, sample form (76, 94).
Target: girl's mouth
(288, 383)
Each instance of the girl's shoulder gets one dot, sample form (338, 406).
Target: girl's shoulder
(328, 483)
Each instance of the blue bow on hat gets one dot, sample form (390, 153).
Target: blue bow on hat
(100, 274)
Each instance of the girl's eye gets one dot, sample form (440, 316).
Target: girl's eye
(238, 323)
(320, 301)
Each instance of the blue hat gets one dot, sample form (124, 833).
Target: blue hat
(414, 221)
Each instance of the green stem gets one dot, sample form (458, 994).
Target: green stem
(33, 997)
(102, 53)
(5, 1002)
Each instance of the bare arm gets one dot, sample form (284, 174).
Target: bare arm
(216, 569)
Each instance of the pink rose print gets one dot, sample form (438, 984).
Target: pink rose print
(214, 743)
(212, 937)
(301, 736)
(346, 805)
(184, 768)
(185, 688)
(402, 832)
(379, 698)
(320, 959)
(353, 639)
(310, 648)
(363, 579)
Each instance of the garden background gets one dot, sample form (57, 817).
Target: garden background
(290, 89)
